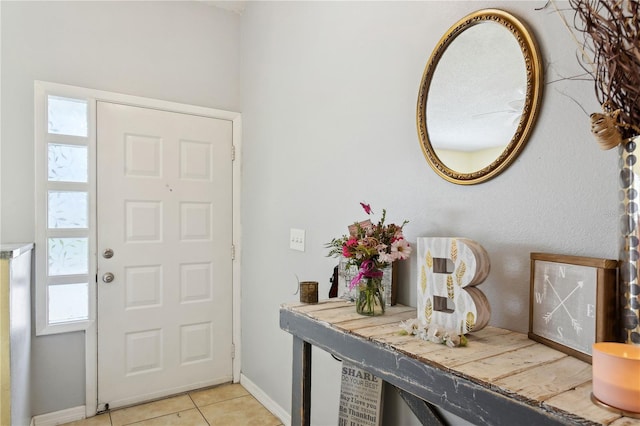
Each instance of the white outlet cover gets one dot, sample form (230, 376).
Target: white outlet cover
(296, 239)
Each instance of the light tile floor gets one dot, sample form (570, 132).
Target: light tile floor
(228, 405)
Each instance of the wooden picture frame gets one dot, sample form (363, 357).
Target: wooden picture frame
(572, 302)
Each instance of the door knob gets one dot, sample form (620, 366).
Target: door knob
(107, 254)
(107, 277)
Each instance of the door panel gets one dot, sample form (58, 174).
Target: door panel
(165, 210)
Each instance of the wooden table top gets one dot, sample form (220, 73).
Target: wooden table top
(503, 361)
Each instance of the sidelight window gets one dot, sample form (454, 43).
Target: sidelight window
(64, 213)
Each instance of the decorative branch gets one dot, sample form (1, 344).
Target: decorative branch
(611, 55)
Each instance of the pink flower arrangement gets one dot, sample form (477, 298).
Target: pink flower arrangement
(371, 247)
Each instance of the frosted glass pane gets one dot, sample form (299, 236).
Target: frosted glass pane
(68, 302)
(67, 163)
(68, 256)
(67, 116)
(68, 209)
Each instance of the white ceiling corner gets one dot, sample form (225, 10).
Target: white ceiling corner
(235, 6)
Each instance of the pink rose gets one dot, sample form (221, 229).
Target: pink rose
(351, 242)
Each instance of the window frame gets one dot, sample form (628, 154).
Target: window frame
(42, 138)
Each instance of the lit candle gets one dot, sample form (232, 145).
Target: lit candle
(616, 375)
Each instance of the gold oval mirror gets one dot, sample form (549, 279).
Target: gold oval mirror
(479, 97)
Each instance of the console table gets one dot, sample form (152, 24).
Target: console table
(500, 378)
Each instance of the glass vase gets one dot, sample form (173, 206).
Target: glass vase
(345, 275)
(629, 277)
(370, 298)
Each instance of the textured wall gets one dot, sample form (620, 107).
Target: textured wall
(328, 92)
(328, 97)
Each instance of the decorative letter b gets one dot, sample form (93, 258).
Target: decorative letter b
(448, 271)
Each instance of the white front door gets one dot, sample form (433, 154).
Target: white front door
(165, 213)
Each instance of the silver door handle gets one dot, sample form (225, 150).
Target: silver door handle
(107, 277)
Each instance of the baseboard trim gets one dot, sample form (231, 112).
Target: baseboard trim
(265, 400)
(59, 417)
(78, 413)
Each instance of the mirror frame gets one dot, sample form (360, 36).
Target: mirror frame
(533, 95)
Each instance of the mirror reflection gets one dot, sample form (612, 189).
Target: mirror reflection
(479, 97)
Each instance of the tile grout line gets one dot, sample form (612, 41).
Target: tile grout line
(223, 400)
(214, 403)
(195, 405)
(247, 395)
(198, 408)
(161, 415)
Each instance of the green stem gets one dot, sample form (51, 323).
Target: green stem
(370, 295)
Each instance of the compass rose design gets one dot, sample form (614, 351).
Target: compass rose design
(568, 294)
(547, 316)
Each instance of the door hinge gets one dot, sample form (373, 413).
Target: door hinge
(233, 351)
(233, 153)
(233, 252)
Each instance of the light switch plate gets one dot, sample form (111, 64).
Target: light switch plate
(296, 239)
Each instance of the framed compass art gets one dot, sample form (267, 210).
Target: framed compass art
(572, 303)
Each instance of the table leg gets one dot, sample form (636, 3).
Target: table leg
(301, 380)
(423, 410)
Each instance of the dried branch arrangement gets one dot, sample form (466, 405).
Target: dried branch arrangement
(611, 31)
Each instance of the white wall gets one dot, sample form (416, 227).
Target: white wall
(178, 51)
(328, 92)
(328, 98)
